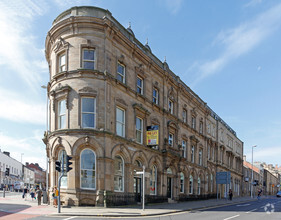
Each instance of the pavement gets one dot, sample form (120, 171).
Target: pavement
(31, 207)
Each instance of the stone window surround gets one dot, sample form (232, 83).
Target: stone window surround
(142, 86)
(90, 93)
(142, 129)
(155, 86)
(91, 46)
(119, 62)
(61, 47)
(142, 113)
(58, 94)
(95, 169)
(173, 128)
(120, 103)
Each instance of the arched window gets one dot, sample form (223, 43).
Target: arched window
(190, 184)
(153, 180)
(138, 164)
(118, 174)
(199, 186)
(62, 154)
(88, 169)
(181, 182)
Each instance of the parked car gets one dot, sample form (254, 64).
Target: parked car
(278, 194)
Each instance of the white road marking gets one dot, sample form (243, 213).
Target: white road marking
(243, 204)
(251, 211)
(232, 217)
(70, 218)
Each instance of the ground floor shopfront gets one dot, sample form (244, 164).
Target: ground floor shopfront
(106, 172)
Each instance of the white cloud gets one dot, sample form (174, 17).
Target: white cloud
(17, 108)
(173, 5)
(266, 154)
(32, 148)
(239, 41)
(18, 51)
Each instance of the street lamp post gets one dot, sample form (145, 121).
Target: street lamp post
(47, 176)
(252, 182)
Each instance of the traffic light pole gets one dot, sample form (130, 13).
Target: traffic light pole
(61, 175)
(4, 188)
(7, 173)
(59, 192)
(60, 167)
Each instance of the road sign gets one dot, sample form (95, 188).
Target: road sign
(223, 177)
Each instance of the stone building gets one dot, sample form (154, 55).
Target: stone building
(271, 182)
(257, 180)
(39, 174)
(29, 177)
(115, 107)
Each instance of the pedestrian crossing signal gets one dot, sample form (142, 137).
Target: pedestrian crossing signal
(68, 163)
(58, 166)
(7, 172)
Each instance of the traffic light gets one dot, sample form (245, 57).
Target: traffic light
(68, 163)
(58, 166)
(7, 172)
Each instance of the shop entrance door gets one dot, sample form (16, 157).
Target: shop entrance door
(137, 188)
(169, 187)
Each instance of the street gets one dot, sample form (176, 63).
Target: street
(266, 208)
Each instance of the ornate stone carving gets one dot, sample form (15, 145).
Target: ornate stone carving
(88, 90)
(194, 112)
(121, 101)
(61, 44)
(87, 140)
(139, 69)
(141, 108)
(121, 58)
(121, 148)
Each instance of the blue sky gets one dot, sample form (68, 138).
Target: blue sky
(228, 52)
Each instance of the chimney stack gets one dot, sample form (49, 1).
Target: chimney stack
(7, 153)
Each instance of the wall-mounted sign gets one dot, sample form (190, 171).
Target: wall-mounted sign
(152, 135)
(223, 177)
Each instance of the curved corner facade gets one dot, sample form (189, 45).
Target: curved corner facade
(116, 108)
